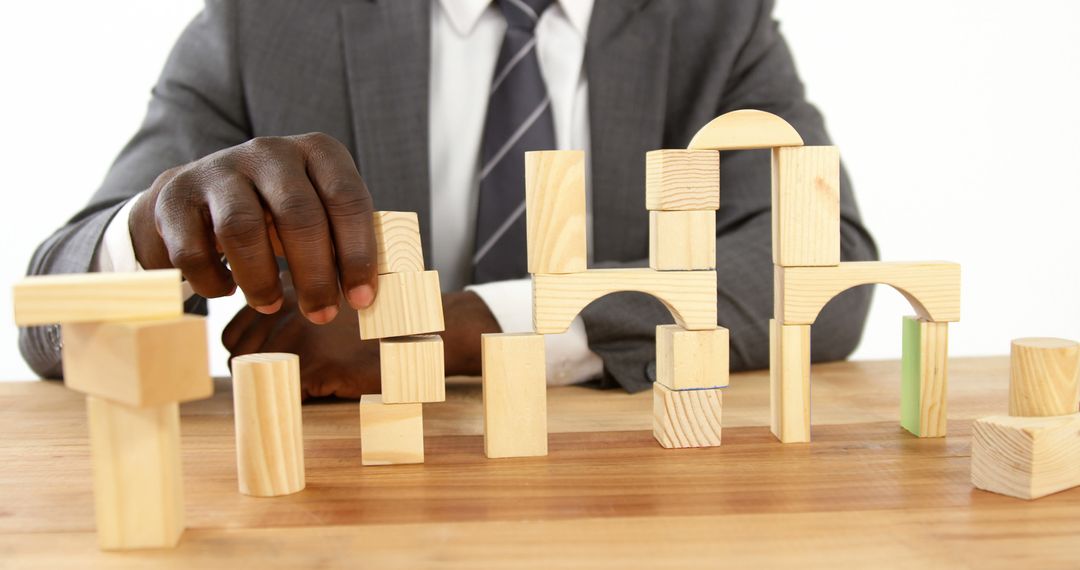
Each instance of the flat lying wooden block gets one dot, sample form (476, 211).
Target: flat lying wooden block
(139, 363)
(1026, 458)
(932, 287)
(412, 369)
(390, 434)
(93, 297)
(689, 295)
(397, 240)
(406, 304)
(687, 418)
(806, 206)
(789, 381)
(924, 377)
(745, 129)
(269, 424)
(515, 395)
(687, 360)
(555, 211)
(677, 179)
(138, 485)
(1044, 377)
(682, 240)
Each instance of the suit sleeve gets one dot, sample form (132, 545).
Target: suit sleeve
(196, 108)
(621, 327)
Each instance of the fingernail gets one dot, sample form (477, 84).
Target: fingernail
(323, 316)
(361, 296)
(271, 308)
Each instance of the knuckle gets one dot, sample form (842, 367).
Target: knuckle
(236, 224)
(267, 146)
(191, 259)
(321, 142)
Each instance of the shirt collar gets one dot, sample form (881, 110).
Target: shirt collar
(464, 14)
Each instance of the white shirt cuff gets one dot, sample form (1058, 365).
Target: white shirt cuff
(568, 357)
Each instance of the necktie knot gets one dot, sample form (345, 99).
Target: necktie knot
(523, 14)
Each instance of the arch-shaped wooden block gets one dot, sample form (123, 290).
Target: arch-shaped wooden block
(932, 287)
(689, 295)
(745, 129)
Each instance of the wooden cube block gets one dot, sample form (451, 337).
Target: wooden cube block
(93, 297)
(1026, 458)
(688, 360)
(682, 240)
(555, 211)
(806, 206)
(789, 381)
(924, 377)
(677, 179)
(139, 363)
(397, 240)
(138, 485)
(406, 304)
(390, 434)
(412, 369)
(515, 395)
(1045, 377)
(687, 418)
(745, 129)
(269, 424)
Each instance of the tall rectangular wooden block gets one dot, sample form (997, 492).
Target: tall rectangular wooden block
(789, 381)
(924, 377)
(806, 206)
(687, 418)
(139, 363)
(412, 369)
(93, 297)
(397, 241)
(1044, 377)
(682, 240)
(687, 360)
(1026, 458)
(555, 211)
(269, 424)
(406, 304)
(515, 395)
(680, 179)
(390, 434)
(138, 486)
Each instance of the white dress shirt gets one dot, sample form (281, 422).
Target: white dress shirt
(465, 39)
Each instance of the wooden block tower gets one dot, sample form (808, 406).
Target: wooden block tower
(406, 311)
(128, 346)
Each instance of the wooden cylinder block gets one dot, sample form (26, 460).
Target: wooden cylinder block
(269, 433)
(1045, 377)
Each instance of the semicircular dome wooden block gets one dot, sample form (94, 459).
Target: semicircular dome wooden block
(932, 287)
(1044, 377)
(745, 129)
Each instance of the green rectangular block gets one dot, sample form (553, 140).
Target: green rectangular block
(910, 375)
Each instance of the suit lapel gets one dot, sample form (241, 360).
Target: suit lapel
(387, 59)
(626, 60)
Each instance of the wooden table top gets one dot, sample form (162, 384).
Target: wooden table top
(863, 494)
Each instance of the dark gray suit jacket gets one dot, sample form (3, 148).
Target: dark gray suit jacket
(358, 70)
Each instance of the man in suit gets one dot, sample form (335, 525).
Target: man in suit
(303, 117)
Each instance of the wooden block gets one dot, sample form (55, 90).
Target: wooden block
(412, 369)
(515, 395)
(138, 485)
(555, 211)
(390, 434)
(269, 424)
(682, 240)
(397, 240)
(924, 377)
(789, 381)
(406, 304)
(677, 179)
(1026, 458)
(139, 363)
(689, 295)
(93, 297)
(932, 287)
(745, 129)
(1045, 377)
(806, 206)
(687, 418)
(688, 360)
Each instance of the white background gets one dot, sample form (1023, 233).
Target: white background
(959, 122)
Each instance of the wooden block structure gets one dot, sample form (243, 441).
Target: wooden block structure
(406, 304)
(412, 369)
(1026, 457)
(515, 395)
(391, 434)
(687, 418)
(682, 241)
(691, 360)
(269, 425)
(789, 381)
(397, 241)
(924, 377)
(1044, 377)
(806, 206)
(555, 211)
(98, 297)
(745, 129)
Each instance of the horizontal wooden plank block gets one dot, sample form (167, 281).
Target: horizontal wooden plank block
(1044, 378)
(678, 179)
(687, 418)
(390, 434)
(806, 206)
(515, 395)
(397, 242)
(1026, 458)
(682, 241)
(745, 129)
(406, 304)
(95, 297)
(269, 424)
(688, 360)
(412, 369)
